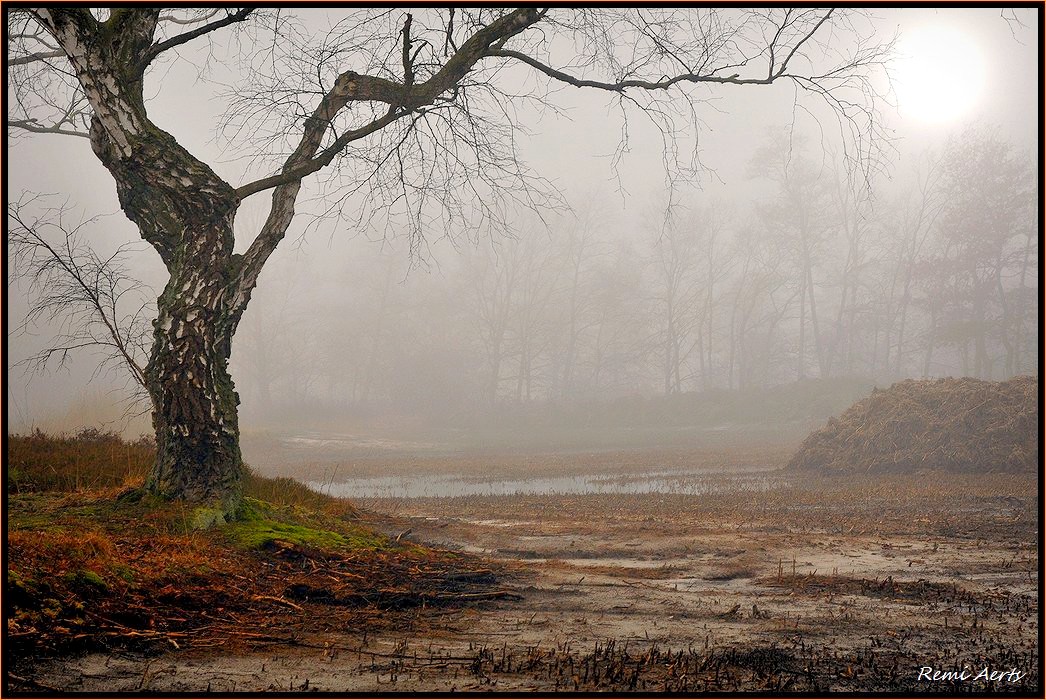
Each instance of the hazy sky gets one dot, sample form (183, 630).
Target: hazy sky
(959, 65)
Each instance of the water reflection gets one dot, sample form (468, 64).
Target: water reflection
(451, 485)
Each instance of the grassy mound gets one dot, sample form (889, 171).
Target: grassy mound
(89, 570)
(958, 425)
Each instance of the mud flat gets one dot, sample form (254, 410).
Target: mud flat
(818, 584)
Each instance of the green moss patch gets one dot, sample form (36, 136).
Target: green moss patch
(257, 534)
(205, 518)
(260, 524)
(86, 581)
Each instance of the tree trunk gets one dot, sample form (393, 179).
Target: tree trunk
(931, 341)
(801, 374)
(818, 350)
(1020, 311)
(906, 298)
(980, 343)
(185, 211)
(194, 402)
(189, 222)
(1006, 325)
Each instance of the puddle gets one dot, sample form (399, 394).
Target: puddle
(349, 441)
(500, 523)
(629, 563)
(694, 483)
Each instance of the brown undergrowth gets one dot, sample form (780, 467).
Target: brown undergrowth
(88, 569)
(930, 594)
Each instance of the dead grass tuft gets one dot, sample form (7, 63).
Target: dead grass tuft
(93, 460)
(88, 460)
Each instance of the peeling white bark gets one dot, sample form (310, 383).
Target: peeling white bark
(186, 212)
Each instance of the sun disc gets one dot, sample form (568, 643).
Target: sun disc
(939, 76)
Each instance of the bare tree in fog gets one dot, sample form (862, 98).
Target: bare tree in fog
(491, 287)
(578, 248)
(616, 345)
(100, 307)
(801, 213)
(718, 268)
(417, 111)
(761, 300)
(535, 304)
(854, 220)
(985, 231)
(677, 285)
(918, 211)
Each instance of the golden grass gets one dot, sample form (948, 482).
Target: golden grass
(92, 460)
(88, 460)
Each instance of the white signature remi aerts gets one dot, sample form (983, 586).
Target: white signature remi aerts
(928, 673)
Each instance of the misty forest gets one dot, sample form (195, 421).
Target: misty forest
(523, 350)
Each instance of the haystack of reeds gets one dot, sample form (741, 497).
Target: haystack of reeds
(959, 425)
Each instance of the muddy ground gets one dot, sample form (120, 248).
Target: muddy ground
(808, 584)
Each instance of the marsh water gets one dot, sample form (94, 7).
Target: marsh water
(694, 482)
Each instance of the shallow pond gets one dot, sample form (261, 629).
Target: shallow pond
(452, 485)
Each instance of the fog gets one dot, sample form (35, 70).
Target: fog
(778, 264)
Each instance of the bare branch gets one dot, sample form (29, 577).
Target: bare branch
(1013, 22)
(159, 47)
(44, 96)
(799, 44)
(351, 87)
(294, 173)
(29, 125)
(621, 85)
(190, 20)
(408, 67)
(34, 57)
(82, 292)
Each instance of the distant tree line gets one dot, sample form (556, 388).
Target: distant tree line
(809, 276)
